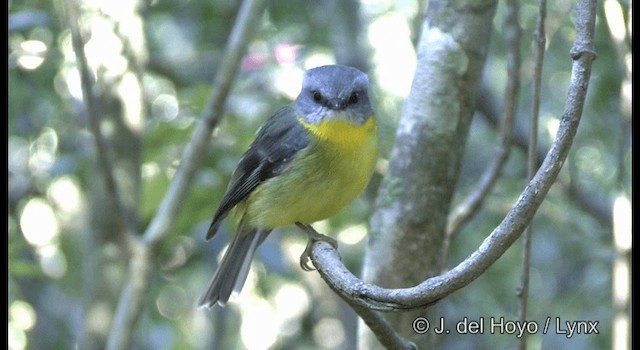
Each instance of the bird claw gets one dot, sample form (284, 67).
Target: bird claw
(305, 258)
(314, 236)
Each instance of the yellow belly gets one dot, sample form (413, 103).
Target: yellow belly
(323, 179)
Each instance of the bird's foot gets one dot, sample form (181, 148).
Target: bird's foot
(314, 236)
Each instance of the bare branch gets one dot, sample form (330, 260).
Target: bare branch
(385, 333)
(327, 261)
(141, 269)
(244, 27)
(532, 163)
(102, 149)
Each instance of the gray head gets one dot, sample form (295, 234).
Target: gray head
(334, 92)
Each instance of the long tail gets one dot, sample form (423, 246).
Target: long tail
(234, 268)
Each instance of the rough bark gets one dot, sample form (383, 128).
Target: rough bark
(408, 226)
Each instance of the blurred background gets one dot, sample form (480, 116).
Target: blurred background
(153, 63)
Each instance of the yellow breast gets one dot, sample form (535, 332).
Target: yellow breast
(324, 177)
(343, 135)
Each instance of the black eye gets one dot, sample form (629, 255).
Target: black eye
(317, 96)
(355, 96)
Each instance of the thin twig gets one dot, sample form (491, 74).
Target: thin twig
(328, 263)
(141, 268)
(473, 202)
(248, 17)
(532, 164)
(104, 161)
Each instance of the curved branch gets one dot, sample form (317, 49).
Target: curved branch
(327, 261)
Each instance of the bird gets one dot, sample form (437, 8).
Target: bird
(309, 160)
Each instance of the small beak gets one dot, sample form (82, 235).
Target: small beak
(336, 104)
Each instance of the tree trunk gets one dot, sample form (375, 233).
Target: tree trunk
(413, 203)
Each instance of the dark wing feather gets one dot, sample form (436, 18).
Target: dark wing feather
(276, 144)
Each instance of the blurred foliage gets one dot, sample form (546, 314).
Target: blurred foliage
(51, 156)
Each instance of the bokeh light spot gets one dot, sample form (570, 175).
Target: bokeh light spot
(43, 151)
(22, 317)
(353, 234)
(32, 54)
(64, 192)
(52, 261)
(38, 222)
(172, 302)
(292, 301)
(260, 324)
(328, 333)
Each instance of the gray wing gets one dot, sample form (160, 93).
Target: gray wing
(276, 144)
